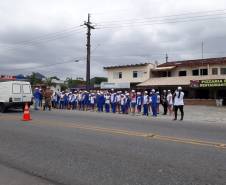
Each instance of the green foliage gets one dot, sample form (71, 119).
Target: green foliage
(98, 80)
(63, 87)
(54, 77)
(33, 79)
(48, 81)
(74, 83)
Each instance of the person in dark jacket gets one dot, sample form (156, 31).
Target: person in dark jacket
(164, 102)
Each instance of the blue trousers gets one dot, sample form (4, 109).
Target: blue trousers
(123, 109)
(36, 103)
(154, 109)
(145, 109)
(61, 104)
(100, 108)
(113, 107)
(107, 107)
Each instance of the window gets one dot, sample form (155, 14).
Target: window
(214, 71)
(16, 89)
(195, 72)
(223, 71)
(26, 89)
(182, 73)
(203, 71)
(117, 75)
(120, 75)
(135, 74)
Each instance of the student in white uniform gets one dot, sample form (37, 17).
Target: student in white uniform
(170, 102)
(145, 103)
(179, 102)
(158, 101)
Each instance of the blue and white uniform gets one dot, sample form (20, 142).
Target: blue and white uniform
(145, 104)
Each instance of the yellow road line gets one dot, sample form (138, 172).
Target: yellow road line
(137, 134)
(124, 132)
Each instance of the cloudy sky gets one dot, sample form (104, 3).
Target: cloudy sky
(46, 36)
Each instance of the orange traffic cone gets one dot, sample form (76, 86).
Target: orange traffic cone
(26, 115)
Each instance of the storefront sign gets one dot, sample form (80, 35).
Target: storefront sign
(208, 83)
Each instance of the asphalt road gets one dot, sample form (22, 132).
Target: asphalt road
(73, 148)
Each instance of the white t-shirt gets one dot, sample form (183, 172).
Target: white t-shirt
(145, 99)
(170, 99)
(179, 100)
(158, 98)
(107, 99)
(92, 99)
(118, 98)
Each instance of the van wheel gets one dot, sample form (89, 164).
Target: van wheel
(2, 108)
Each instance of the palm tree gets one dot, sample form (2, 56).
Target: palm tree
(48, 81)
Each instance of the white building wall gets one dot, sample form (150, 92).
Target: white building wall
(127, 74)
(175, 72)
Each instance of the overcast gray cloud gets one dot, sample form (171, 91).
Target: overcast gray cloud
(51, 29)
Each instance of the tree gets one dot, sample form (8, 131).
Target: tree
(98, 80)
(48, 81)
(33, 79)
(74, 83)
(55, 77)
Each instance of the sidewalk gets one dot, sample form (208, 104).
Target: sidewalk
(193, 113)
(202, 114)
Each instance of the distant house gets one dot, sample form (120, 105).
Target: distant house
(56, 87)
(200, 78)
(127, 76)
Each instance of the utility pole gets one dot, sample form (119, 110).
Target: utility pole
(89, 27)
(167, 57)
(201, 71)
(202, 49)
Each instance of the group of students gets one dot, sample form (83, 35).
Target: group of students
(127, 102)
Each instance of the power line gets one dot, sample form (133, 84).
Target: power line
(168, 16)
(52, 37)
(172, 21)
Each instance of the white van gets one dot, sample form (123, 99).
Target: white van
(14, 94)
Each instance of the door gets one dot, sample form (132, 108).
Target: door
(16, 92)
(26, 93)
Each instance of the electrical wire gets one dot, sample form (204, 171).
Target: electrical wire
(210, 12)
(172, 21)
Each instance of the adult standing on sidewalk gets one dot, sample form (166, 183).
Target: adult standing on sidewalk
(164, 102)
(36, 95)
(170, 102)
(179, 103)
(47, 96)
(154, 104)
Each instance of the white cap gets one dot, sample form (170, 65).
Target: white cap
(138, 93)
(157, 92)
(127, 94)
(179, 88)
(145, 92)
(133, 91)
(169, 90)
(153, 90)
